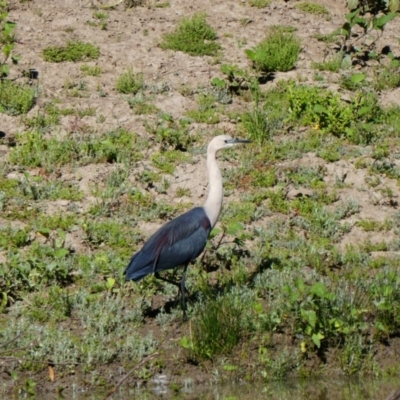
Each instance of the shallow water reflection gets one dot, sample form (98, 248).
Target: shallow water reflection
(334, 389)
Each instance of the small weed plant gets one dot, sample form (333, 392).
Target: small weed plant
(171, 134)
(74, 51)
(372, 17)
(353, 81)
(129, 82)
(218, 328)
(35, 151)
(193, 36)
(279, 51)
(7, 39)
(332, 64)
(15, 98)
(387, 78)
(313, 8)
(313, 106)
(236, 81)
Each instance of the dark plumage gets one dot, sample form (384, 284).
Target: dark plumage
(178, 242)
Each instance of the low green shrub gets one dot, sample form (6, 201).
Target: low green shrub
(129, 82)
(279, 51)
(15, 98)
(74, 51)
(193, 36)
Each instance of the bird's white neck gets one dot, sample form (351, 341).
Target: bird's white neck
(213, 204)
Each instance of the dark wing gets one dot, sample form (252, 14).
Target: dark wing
(176, 243)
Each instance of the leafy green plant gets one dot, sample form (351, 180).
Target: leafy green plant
(193, 36)
(353, 81)
(372, 17)
(319, 313)
(237, 79)
(329, 113)
(307, 177)
(74, 51)
(7, 39)
(374, 226)
(264, 178)
(311, 105)
(171, 133)
(129, 82)
(277, 366)
(279, 51)
(143, 108)
(387, 302)
(333, 64)
(34, 150)
(13, 238)
(41, 265)
(16, 99)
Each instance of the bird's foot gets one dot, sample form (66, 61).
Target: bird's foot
(185, 318)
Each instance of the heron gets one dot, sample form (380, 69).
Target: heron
(182, 240)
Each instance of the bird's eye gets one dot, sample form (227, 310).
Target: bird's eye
(225, 141)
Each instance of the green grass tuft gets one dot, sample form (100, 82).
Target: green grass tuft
(74, 51)
(15, 99)
(129, 82)
(218, 327)
(387, 78)
(333, 64)
(313, 8)
(279, 51)
(34, 150)
(193, 36)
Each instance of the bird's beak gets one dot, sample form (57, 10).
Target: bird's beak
(236, 141)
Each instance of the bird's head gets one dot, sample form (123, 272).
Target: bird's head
(225, 142)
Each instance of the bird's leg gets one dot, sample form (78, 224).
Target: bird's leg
(158, 276)
(181, 287)
(182, 290)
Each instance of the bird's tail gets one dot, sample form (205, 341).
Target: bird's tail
(136, 270)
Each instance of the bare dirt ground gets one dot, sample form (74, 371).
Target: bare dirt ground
(132, 40)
